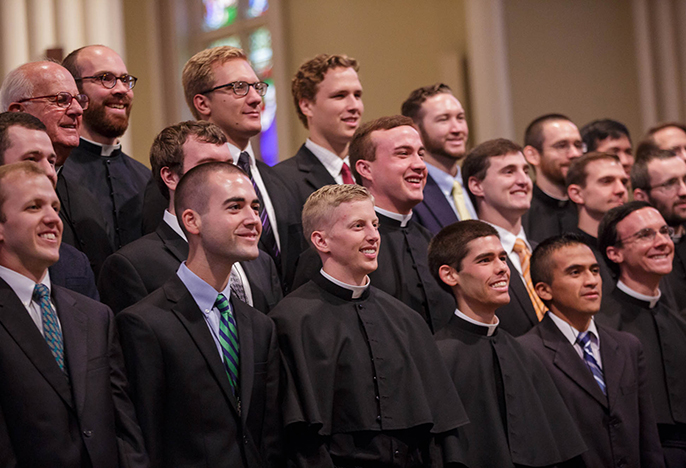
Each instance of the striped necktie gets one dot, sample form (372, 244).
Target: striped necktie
(584, 339)
(228, 338)
(51, 328)
(524, 254)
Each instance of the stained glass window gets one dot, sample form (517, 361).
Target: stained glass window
(233, 41)
(257, 8)
(219, 13)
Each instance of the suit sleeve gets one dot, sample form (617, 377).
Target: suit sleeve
(7, 458)
(130, 443)
(120, 284)
(272, 431)
(144, 366)
(651, 448)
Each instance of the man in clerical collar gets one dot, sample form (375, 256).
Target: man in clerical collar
(636, 239)
(443, 126)
(517, 416)
(115, 180)
(550, 143)
(592, 365)
(357, 359)
(328, 98)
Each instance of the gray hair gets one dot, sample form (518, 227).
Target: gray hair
(15, 87)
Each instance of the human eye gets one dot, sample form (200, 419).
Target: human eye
(645, 234)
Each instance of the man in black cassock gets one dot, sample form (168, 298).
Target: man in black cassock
(386, 157)
(600, 373)
(365, 382)
(517, 415)
(636, 239)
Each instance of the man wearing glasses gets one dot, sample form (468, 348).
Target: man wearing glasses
(221, 87)
(115, 180)
(637, 241)
(47, 91)
(659, 177)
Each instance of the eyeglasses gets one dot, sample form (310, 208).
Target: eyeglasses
(62, 99)
(241, 88)
(649, 234)
(109, 80)
(671, 186)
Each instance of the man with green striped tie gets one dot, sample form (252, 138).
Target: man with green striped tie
(204, 365)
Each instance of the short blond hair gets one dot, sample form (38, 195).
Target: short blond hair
(198, 73)
(9, 171)
(318, 207)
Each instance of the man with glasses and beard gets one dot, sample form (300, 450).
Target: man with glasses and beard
(115, 180)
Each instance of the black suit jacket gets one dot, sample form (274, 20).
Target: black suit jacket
(620, 429)
(676, 280)
(434, 212)
(73, 271)
(519, 316)
(49, 420)
(186, 408)
(303, 174)
(144, 265)
(154, 205)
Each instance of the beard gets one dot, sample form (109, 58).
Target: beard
(436, 148)
(552, 172)
(102, 123)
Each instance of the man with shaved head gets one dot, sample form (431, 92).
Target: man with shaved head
(115, 180)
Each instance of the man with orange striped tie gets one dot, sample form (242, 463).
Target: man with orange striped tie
(496, 176)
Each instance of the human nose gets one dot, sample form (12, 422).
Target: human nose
(74, 108)
(501, 265)
(253, 97)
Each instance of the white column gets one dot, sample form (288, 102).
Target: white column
(644, 62)
(70, 24)
(15, 37)
(680, 18)
(97, 22)
(668, 74)
(489, 70)
(41, 15)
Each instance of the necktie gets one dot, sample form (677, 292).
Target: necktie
(51, 329)
(584, 339)
(458, 198)
(522, 251)
(267, 237)
(237, 286)
(347, 174)
(228, 338)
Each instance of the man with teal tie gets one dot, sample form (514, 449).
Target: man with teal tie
(204, 366)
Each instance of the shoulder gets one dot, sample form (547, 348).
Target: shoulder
(66, 298)
(302, 302)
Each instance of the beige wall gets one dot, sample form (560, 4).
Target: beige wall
(574, 57)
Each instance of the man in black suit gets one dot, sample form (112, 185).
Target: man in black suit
(443, 126)
(63, 398)
(636, 239)
(497, 179)
(601, 373)
(328, 99)
(139, 268)
(550, 143)
(221, 87)
(203, 365)
(23, 137)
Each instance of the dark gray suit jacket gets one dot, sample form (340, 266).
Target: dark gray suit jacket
(434, 212)
(519, 316)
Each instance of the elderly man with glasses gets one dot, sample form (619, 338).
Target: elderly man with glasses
(116, 181)
(637, 241)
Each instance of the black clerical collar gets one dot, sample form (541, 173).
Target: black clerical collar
(547, 199)
(339, 291)
(586, 237)
(646, 301)
(392, 219)
(106, 151)
(478, 328)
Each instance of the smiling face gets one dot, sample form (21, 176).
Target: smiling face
(107, 116)
(605, 188)
(350, 243)
(444, 127)
(335, 113)
(397, 176)
(31, 232)
(31, 145)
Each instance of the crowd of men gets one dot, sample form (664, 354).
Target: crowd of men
(384, 298)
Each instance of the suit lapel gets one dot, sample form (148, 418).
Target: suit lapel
(568, 361)
(16, 320)
(437, 204)
(75, 332)
(317, 175)
(518, 288)
(247, 352)
(172, 241)
(613, 364)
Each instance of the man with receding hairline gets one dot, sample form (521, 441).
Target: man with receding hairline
(669, 136)
(203, 365)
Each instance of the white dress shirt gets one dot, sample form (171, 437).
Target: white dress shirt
(23, 287)
(572, 334)
(445, 183)
(329, 160)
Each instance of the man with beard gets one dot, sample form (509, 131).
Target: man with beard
(659, 178)
(550, 143)
(443, 127)
(115, 180)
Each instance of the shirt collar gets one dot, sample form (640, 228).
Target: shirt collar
(507, 239)
(203, 294)
(571, 333)
(105, 150)
(443, 179)
(173, 222)
(652, 300)
(236, 153)
(23, 286)
(402, 219)
(356, 290)
(490, 326)
(329, 160)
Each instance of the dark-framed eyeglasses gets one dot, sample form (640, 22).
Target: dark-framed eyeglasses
(109, 80)
(241, 88)
(671, 186)
(63, 99)
(649, 234)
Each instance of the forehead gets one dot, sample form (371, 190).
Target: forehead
(556, 130)
(442, 103)
(21, 186)
(339, 76)
(644, 218)
(51, 79)
(25, 137)
(236, 69)
(670, 167)
(100, 59)
(222, 185)
(353, 209)
(396, 137)
(575, 254)
(602, 167)
(667, 136)
(196, 149)
(609, 142)
(498, 162)
(483, 245)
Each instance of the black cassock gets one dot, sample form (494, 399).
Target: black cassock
(548, 216)
(518, 417)
(365, 383)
